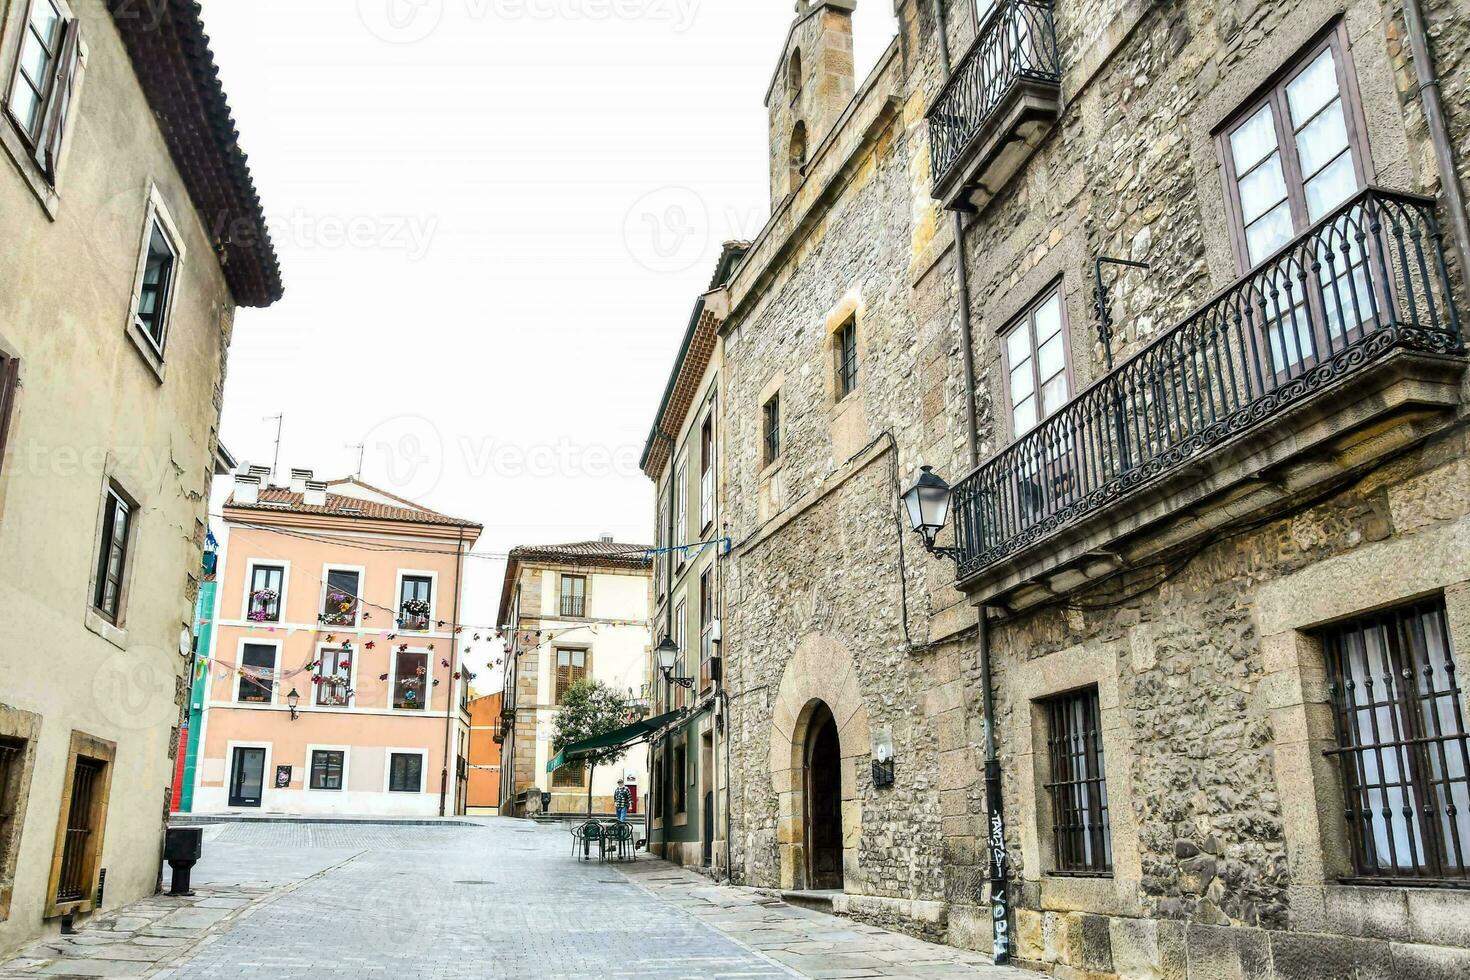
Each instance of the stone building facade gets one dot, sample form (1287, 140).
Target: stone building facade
(570, 612)
(1191, 532)
(130, 232)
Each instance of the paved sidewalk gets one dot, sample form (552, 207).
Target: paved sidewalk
(497, 898)
(809, 943)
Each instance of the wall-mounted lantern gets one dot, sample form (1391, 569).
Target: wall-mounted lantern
(927, 503)
(293, 701)
(668, 656)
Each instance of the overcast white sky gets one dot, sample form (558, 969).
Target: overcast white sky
(493, 218)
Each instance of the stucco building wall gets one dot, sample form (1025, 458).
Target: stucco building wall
(91, 410)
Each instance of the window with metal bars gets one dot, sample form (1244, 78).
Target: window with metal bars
(1402, 745)
(845, 347)
(574, 596)
(78, 854)
(771, 428)
(1078, 787)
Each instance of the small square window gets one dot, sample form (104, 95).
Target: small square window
(405, 772)
(326, 768)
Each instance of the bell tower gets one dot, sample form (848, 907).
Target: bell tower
(812, 85)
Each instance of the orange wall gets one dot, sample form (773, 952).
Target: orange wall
(484, 789)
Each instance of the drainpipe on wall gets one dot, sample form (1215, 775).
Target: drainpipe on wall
(995, 824)
(452, 714)
(1449, 178)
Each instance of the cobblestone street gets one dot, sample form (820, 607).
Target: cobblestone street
(498, 898)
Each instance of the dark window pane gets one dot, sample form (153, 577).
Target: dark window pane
(266, 582)
(257, 673)
(405, 773)
(158, 273)
(112, 557)
(339, 607)
(326, 769)
(411, 680)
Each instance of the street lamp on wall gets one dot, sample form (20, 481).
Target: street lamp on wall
(293, 701)
(668, 656)
(927, 503)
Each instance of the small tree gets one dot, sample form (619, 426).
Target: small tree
(590, 709)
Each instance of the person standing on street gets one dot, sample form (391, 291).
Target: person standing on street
(621, 799)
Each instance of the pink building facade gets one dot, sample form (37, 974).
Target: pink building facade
(335, 683)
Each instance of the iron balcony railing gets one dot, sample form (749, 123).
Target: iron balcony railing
(1017, 42)
(1367, 279)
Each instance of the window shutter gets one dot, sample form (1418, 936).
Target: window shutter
(9, 382)
(48, 145)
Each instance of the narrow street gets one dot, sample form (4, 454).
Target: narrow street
(489, 898)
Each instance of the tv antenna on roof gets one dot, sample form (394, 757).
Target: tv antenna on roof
(361, 448)
(280, 421)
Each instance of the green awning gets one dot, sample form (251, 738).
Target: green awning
(627, 735)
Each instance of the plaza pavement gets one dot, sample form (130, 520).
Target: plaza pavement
(485, 898)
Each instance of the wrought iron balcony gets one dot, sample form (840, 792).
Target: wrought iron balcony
(1346, 329)
(1002, 98)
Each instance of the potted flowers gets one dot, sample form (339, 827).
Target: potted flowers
(340, 609)
(264, 606)
(414, 615)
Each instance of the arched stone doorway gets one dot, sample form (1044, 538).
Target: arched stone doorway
(823, 791)
(818, 716)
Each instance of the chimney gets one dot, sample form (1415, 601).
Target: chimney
(316, 493)
(606, 538)
(263, 472)
(299, 480)
(247, 488)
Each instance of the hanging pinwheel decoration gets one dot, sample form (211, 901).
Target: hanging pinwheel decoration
(421, 671)
(382, 677)
(370, 645)
(403, 648)
(443, 662)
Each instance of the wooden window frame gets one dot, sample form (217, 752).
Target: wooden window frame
(114, 497)
(46, 138)
(20, 731)
(561, 596)
(101, 751)
(1027, 318)
(573, 775)
(9, 392)
(558, 688)
(1273, 91)
(845, 357)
